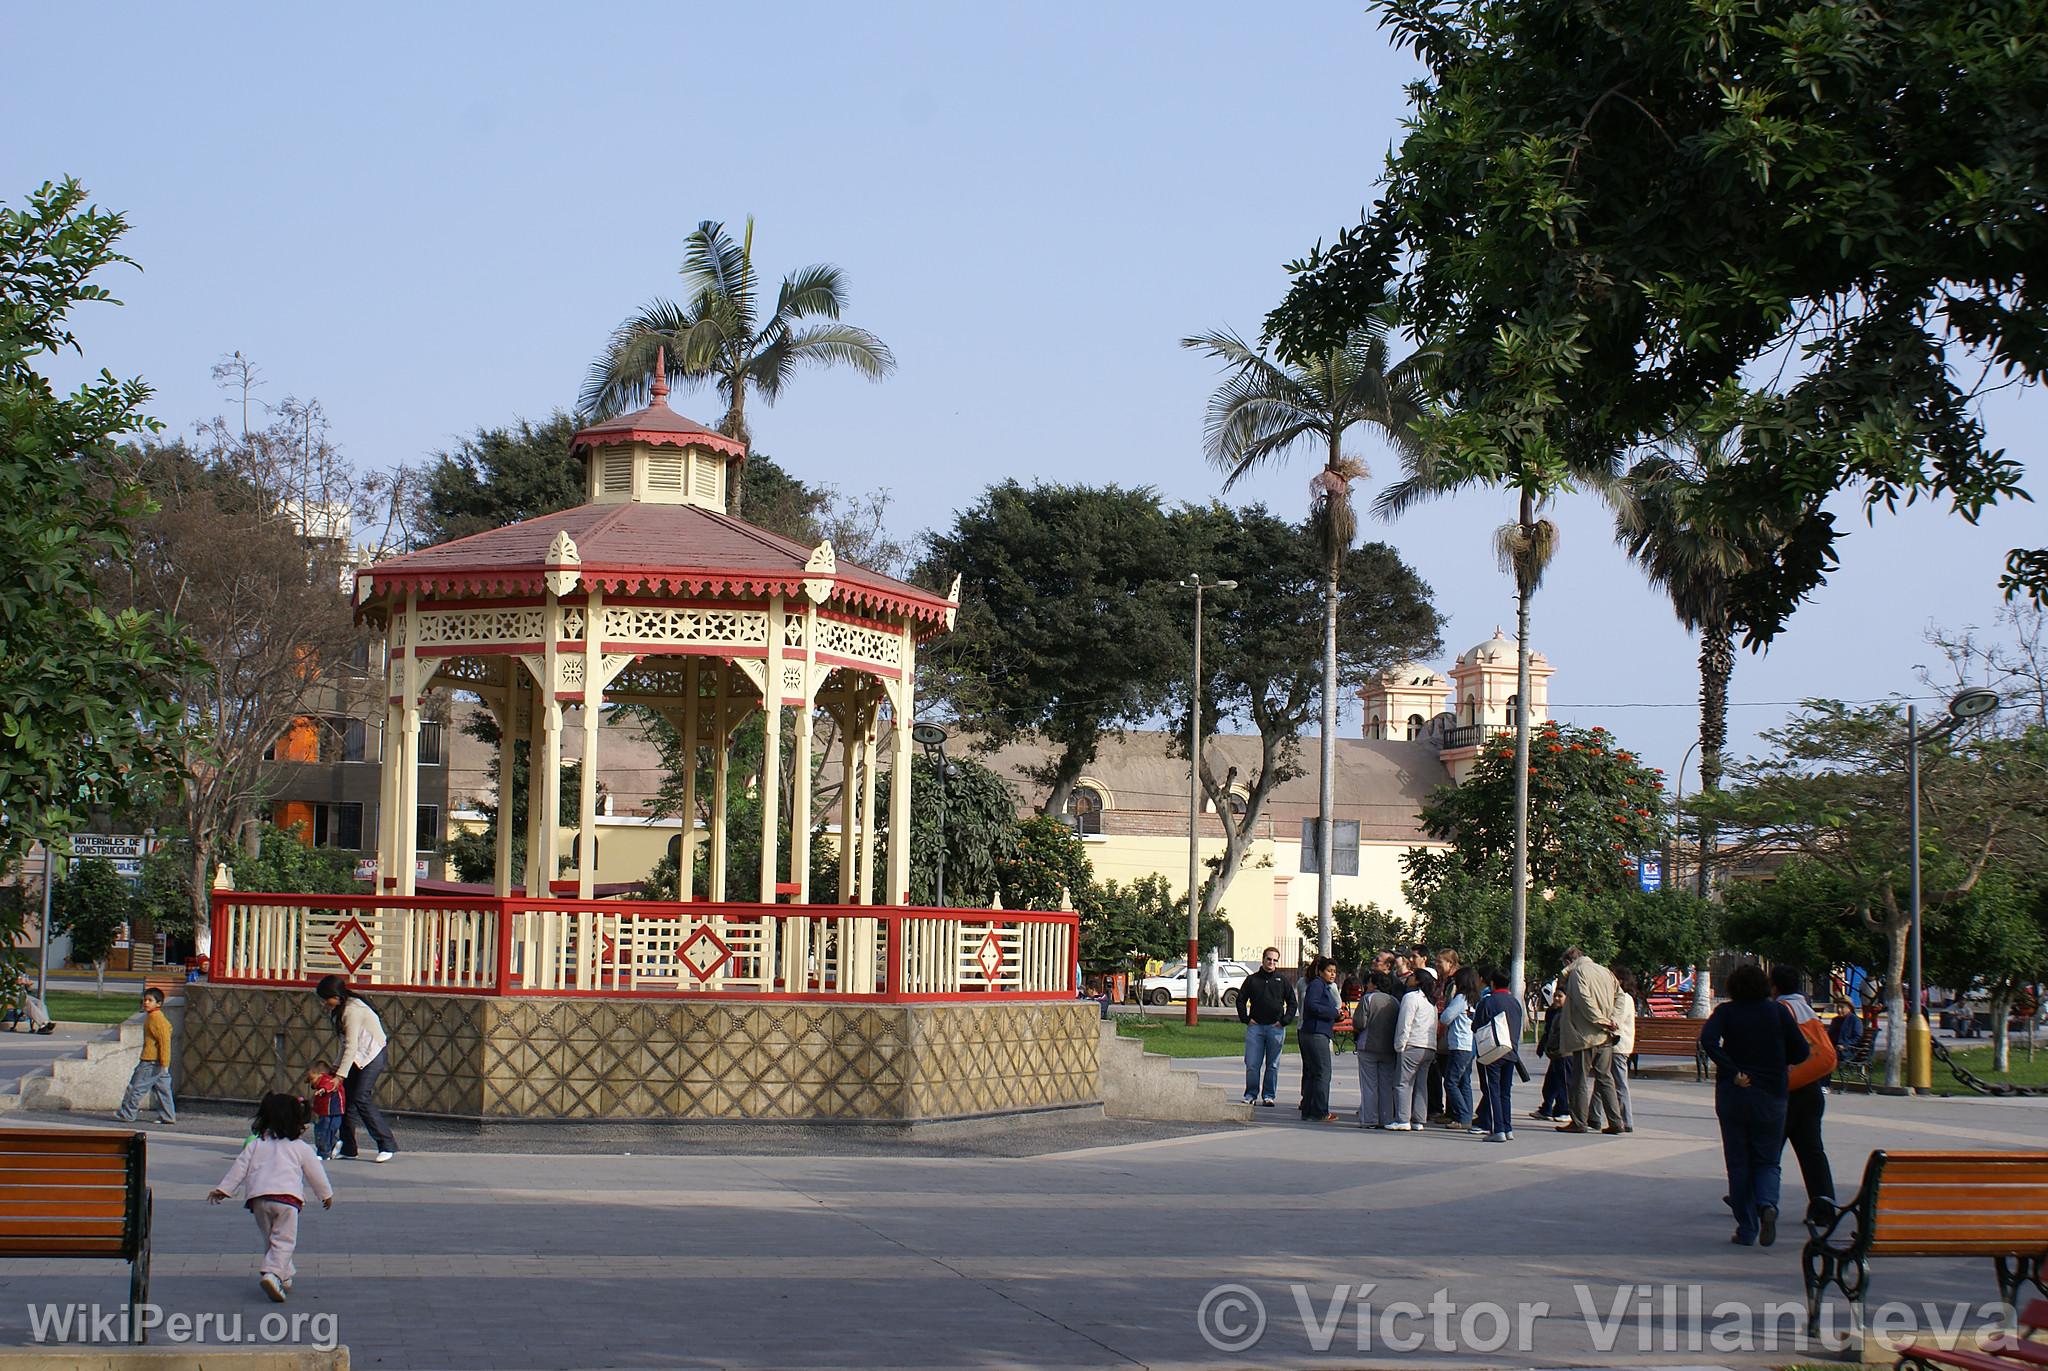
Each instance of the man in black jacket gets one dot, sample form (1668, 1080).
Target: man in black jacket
(1265, 1006)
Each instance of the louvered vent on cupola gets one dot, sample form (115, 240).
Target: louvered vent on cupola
(665, 469)
(617, 472)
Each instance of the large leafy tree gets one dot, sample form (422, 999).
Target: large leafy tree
(1270, 409)
(92, 906)
(1593, 809)
(720, 333)
(1832, 792)
(1599, 215)
(87, 718)
(1264, 666)
(499, 476)
(1069, 629)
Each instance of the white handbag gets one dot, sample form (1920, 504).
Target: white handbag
(1494, 1040)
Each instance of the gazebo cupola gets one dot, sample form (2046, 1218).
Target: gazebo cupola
(652, 594)
(656, 456)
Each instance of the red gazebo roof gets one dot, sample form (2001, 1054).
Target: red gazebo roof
(645, 548)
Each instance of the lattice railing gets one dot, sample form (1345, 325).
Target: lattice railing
(614, 947)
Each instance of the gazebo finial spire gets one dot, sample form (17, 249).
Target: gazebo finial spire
(660, 387)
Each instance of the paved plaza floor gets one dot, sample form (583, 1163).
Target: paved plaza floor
(1087, 1246)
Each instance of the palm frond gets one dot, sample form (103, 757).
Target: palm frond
(715, 265)
(618, 379)
(819, 345)
(817, 291)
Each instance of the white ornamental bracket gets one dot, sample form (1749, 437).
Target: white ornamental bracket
(952, 602)
(819, 572)
(560, 571)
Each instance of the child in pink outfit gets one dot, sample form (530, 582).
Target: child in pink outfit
(274, 1172)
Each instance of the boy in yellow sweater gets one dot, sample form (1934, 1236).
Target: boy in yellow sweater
(153, 1072)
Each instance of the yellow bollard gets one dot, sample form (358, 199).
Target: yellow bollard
(1920, 1053)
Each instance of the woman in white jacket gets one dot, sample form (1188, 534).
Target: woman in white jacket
(272, 1175)
(364, 1053)
(1415, 1042)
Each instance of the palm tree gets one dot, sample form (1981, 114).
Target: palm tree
(1265, 411)
(718, 334)
(1525, 548)
(1696, 550)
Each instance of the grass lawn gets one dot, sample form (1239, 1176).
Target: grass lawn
(82, 1006)
(1978, 1060)
(1209, 1038)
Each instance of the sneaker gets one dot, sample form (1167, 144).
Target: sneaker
(46, 1029)
(1249, 1099)
(287, 1284)
(1268, 1103)
(1539, 1114)
(346, 1157)
(385, 1156)
(1509, 1136)
(1497, 1137)
(168, 1123)
(272, 1287)
(1476, 1131)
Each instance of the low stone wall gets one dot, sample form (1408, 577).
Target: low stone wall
(477, 1057)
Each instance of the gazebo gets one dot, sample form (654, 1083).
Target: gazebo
(652, 594)
(540, 1000)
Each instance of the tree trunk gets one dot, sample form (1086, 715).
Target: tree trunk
(2001, 1033)
(1073, 757)
(1717, 664)
(1518, 953)
(202, 890)
(99, 977)
(1895, 929)
(1326, 788)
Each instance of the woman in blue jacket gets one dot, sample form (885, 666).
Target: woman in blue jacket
(1753, 1043)
(1496, 1112)
(1319, 1011)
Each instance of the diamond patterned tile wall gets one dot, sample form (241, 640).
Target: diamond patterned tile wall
(627, 1059)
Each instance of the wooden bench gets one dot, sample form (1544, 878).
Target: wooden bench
(170, 980)
(1934, 1204)
(2000, 1352)
(78, 1193)
(1672, 1038)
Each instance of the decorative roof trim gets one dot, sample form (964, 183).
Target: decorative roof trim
(923, 608)
(655, 437)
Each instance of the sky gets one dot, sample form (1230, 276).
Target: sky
(430, 217)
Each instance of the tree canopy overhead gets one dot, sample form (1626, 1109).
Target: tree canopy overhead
(85, 709)
(1600, 213)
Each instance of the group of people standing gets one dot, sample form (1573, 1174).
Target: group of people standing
(1438, 1042)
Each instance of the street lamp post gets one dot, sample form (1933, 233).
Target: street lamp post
(1964, 706)
(932, 739)
(1194, 582)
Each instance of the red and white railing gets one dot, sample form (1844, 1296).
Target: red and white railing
(489, 946)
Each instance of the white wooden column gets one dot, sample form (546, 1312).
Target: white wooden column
(535, 724)
(871, 756)
(508, 715)
(771, 752)
(593, 710)
(686, 859)
(800, 791)
(721, 778)
(409, 742)
(543, 862)
(852, 712)
(898, 891)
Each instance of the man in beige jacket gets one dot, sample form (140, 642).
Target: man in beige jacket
(1592, 1000)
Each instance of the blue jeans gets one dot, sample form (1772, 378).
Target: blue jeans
(1496, 1108)
(1752, 1141)
(1458, 1084)
(1263, 1044)
(149, 1078)
(326, 1134)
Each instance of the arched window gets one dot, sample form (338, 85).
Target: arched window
(1378, 728)
(1415, 727)
(1514, 703)
(1084, 809)
(1471, 709)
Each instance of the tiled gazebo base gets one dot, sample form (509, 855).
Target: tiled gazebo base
(636, 1060)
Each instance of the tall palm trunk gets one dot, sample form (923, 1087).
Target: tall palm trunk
(1326, 793)
(1717, 664)
(1519, 907)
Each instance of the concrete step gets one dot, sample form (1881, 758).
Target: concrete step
(1137, 1084)
(92, 1078)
